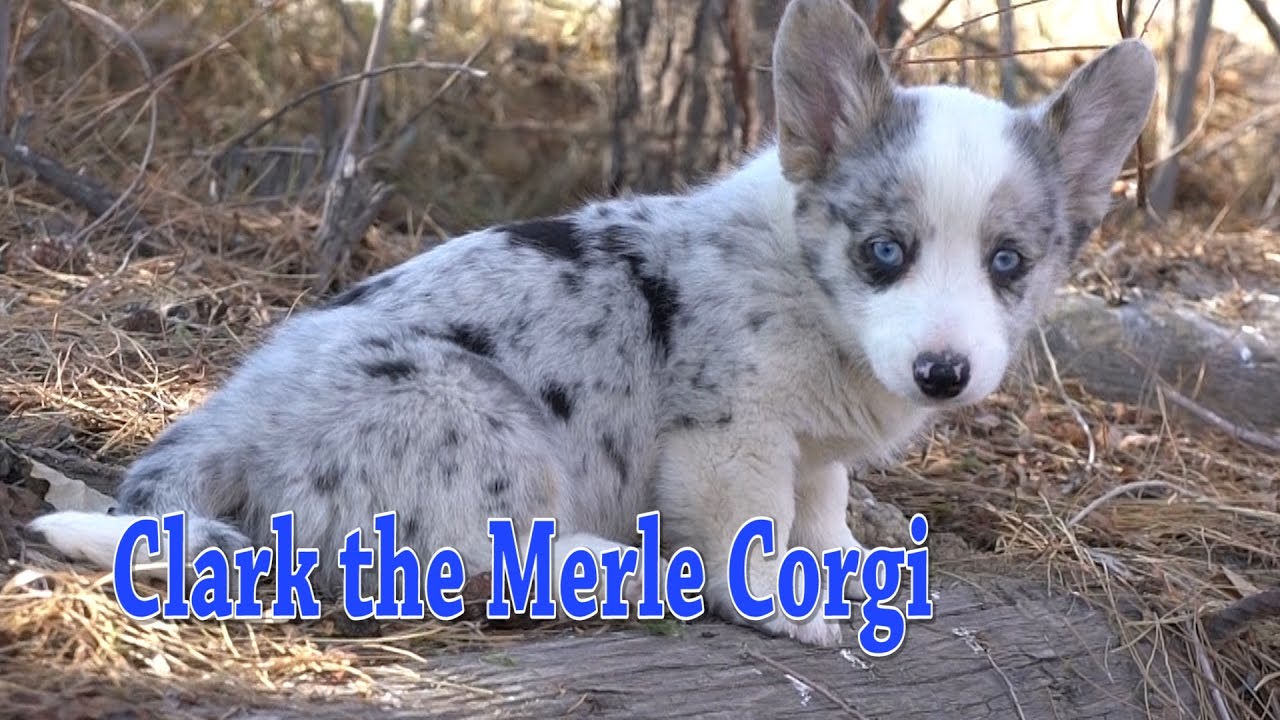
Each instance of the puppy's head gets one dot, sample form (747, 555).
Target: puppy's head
(938, 222)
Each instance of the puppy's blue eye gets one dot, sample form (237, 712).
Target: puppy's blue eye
(888, 253)
(1006, 262)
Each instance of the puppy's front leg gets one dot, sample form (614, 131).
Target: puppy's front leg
(822, 523)
(711, 482)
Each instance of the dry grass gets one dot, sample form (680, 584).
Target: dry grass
(106, 336)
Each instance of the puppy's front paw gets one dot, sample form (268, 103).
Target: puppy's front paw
(633, 588)
(815, 631)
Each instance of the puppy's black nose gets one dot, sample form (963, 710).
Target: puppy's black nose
(941, 376)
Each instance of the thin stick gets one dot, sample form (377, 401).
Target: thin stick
(1119, 490)
(976, 19)
(1062, 390)
(824, 692)
(403, 136)
(1245, 435)
(1206, 669)
(347, 80)
(145, 64)
(998, 55)
(1013, 694)
(380, 31)
(1268, 20)
(931, 20)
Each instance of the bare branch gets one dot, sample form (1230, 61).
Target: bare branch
(997, 55)
(145, 65)
(1268, 20)
(352, 200)
(454, 68)
(399, 140)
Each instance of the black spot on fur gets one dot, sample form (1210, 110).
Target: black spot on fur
(1080, 234)
(471, 338)
(138, 491)
(555, 237)
(393, 370)
(498, 485)
(756, 320)
(557, 398)
(640, 213)
(487, 372)
(594, 331)
(610, 447)
(378, 342)
(359, 293)
(447, 472)
(685, 422)
(451, 438)
(659, 293)
(496, 422)
(327, 481)
(412, 528)
(572, 282)
(699, 380)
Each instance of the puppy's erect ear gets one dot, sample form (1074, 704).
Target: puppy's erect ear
(1095, 118)
(828, 82)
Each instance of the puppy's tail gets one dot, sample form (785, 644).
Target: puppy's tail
(178, 473)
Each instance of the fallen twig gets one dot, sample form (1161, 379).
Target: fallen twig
(1066, 399)
(824, 692)
(80, 188)
(1206, 669)
(1245, 435)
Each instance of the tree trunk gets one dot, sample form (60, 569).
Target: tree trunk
(694, 94)
(1164, 186)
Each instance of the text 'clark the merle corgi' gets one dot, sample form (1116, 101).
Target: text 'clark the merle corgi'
(716, 356)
